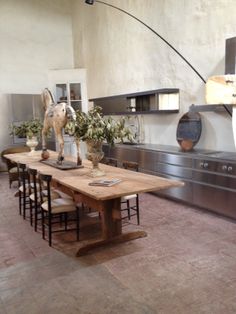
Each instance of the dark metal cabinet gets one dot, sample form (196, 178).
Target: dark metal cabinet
(165, 100)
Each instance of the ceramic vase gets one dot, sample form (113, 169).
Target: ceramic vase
(79, 160)
(32, 143)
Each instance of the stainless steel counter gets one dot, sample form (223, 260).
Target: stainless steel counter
(209, 176)
(177, 150)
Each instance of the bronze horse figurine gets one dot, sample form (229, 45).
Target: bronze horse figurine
(57, 116)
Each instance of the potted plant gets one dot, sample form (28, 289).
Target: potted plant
(95, 129)
(28, 129)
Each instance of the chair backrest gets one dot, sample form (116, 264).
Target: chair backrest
(22, 175)
(130, 165)
(45, 183)
(12, 150)
(10, 164)
(33, 182)
(110, 161)
(33, 174)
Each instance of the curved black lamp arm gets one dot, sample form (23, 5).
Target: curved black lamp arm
(162, 38)
(152, 30)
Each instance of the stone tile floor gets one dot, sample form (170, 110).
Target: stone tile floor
(186, 265)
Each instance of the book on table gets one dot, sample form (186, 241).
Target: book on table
(105, 182)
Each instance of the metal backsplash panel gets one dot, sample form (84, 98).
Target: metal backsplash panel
(230, 56)
(26, 107)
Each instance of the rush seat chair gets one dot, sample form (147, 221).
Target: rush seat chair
(23, 189)
(34, 197)
(130, 203)
(12, 166)
(56, 208)
(110, 161)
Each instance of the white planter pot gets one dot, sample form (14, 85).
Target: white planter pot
(32, 143)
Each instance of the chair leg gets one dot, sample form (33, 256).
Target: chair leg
(24, 205)
(31, 212)
(20, 203)
(77, 222)
(43, 224)
(66, 220)
(137, 208)
(128, 209)
(35, 216)
(49, 229)
(61, 219)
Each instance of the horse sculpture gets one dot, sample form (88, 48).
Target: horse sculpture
(56, 116)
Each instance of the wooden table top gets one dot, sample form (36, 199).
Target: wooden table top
(78, 179)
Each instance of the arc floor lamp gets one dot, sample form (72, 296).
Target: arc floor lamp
(91, 2)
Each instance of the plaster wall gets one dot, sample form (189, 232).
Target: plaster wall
(35, 37)
(122, 56)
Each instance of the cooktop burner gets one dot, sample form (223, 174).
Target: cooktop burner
(223, 155)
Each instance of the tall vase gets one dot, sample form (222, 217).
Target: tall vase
(95, 154)
(79, 160)
(32, 144)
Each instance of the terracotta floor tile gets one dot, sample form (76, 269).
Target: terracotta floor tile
(185, 265)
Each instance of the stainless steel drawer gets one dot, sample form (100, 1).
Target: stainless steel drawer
(219, 180)
(174, 159)
(177, 171)
(120, 153)
(147, 160)
(215, 199)
(184, 193)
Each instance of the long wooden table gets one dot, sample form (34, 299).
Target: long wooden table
(107, 200)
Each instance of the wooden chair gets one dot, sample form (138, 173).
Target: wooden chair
(132, 210)
(55, 208)
(110, 161)
(12, 166)
(23, 189)
(34, 197)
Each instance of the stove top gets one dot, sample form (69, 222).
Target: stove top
(222, 155)
(203, 153)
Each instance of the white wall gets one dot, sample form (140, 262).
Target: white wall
(122, 56)
(35, 36)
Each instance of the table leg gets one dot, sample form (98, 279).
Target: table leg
(111, 225)
(118, 239)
